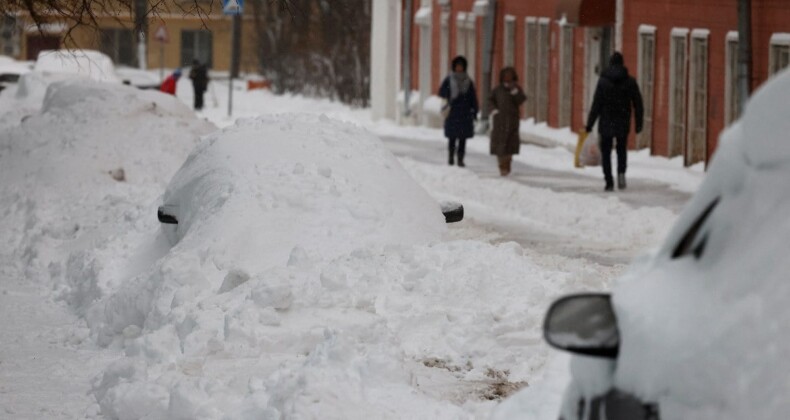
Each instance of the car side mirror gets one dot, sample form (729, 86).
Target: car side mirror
(583, 324)
(167, 215)
(453, 212)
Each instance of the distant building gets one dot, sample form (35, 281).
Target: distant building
(205, 37)
(683, 54)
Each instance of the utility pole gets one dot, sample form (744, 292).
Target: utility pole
(236, 47)
(235, 42)
(489, 32)
(744, 52)
(141, 29)
(408, 15)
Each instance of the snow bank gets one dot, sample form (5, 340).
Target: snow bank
(269, 185)
(300, 287)
(58, 193)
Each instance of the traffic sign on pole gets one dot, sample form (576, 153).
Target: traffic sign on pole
(232, 7)
(161, 34)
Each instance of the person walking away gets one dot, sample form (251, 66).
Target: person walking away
(505, 101)
(169, 85)
(458, 90)
(615, 95)
(199, 77)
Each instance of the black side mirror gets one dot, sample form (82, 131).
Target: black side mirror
(453, 212)
(166, 215)
(583, 324)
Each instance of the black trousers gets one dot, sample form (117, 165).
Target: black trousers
(459, 145)
(606, 155)
(199, 98)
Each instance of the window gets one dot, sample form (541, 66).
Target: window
(509, 53)
(647, 65)
(10, 43)
(196, 44)
(531, 64)
(780, 53)
(537, 68)
(696, 146)
(118, 44)
(471, 43)
(460, 34)
(566, 75)
(465, 39)
(732, 95)
(677, 91)
(542, 92)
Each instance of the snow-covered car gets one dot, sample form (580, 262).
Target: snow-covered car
(249, 159)
(10, 71)
(87, 63)
(261, 170)
(699, 329)
(140, 79)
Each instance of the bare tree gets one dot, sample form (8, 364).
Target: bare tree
(86, 13)
(316, 47)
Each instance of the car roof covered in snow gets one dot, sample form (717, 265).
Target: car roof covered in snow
(88, 63)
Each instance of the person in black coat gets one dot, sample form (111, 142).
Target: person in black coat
(458, 90)
(199, 76)
(615, 95)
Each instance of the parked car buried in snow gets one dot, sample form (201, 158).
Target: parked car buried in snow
(10, 71)
(699, 330)
(299, 181)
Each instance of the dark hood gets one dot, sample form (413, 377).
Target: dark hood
(615, 74)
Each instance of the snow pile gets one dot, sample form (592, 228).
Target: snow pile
(269, 185)
(300, 287)
(57, 188)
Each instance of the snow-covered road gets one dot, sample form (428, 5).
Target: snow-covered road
(484, 221)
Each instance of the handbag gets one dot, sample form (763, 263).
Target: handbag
(445, 109)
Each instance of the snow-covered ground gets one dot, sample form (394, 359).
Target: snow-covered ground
(110, 320)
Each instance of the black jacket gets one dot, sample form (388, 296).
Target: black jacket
(199, 76)
(616, 92)
(460, 124)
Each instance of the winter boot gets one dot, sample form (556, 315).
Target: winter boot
(609, 184)
(451, 161)
(621, 181)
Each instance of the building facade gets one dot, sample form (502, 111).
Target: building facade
(188, 36)
(683, 54)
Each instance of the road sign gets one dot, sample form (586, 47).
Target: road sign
(161, 34)
(232, 7)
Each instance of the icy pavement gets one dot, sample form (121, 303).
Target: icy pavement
(485, 219)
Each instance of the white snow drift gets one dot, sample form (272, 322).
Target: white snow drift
(306, 280)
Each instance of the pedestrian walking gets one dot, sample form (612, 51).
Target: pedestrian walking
(169, 85)
(616, 94)
(199, 77)
(458, 90)
(505, 101)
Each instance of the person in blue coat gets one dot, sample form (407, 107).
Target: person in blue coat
(458, 90)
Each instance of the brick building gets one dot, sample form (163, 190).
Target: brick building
(682, 53)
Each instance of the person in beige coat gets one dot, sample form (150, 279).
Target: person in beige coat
(505, 101)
